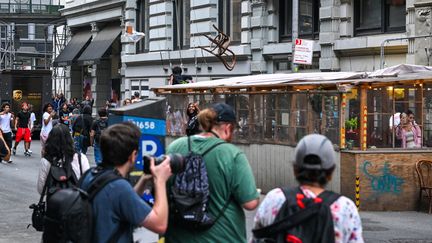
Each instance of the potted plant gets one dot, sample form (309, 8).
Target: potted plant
(351, 124)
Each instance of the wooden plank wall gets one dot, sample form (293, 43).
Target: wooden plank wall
(272, 165)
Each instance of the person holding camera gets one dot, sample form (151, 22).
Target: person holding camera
(231, 182)
(117, 207)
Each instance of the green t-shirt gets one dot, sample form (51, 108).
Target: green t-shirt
(229, 175)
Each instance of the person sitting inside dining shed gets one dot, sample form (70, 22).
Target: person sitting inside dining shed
(409, 133)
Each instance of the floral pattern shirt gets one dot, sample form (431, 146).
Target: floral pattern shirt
(346, 219)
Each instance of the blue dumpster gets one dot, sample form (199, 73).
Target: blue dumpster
(149, 116)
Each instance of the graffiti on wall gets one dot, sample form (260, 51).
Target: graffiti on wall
(385, 182)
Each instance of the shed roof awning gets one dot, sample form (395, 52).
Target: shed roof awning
(100, 44)
(73, 49)
(400, 73)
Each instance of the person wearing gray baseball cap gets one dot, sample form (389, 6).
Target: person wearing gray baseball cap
(335, 217)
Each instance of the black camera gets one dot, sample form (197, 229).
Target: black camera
(177, 162)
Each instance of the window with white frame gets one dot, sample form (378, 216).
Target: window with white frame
(141, 86)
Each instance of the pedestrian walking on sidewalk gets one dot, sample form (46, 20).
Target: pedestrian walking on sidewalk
(22, 126)
(47, 123)
(97, 128)
(81, 130)
(5, 125)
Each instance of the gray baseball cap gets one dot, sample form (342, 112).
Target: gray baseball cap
(318, 145)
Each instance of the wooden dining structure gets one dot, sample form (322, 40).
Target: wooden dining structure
(355, 110)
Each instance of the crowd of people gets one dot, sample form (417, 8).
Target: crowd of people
(118, 207)
(22, 123)
(226, 182)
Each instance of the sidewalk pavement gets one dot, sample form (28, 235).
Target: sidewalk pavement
(378, 227)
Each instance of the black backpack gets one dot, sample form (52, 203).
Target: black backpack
(101, 125)
(301, 219)
(69, 216)
(61, 176)
(189, 194)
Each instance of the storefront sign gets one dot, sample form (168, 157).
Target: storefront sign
(303, 51)
(152, 141)
(17, 95)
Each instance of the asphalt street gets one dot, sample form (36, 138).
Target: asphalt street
(18, 191)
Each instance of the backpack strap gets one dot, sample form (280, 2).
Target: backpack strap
(44, 190)
(100, 182)
(329, 197)
(205, 152)
(211, 148)
(222, 211)
(79, 162)
(288, 221)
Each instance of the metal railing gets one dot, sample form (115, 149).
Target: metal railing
(20, 8)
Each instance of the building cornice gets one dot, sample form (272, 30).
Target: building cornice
(90, 7)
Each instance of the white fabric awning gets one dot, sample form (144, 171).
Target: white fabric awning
(400, 72)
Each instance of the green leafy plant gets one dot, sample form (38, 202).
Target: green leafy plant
(351, 123)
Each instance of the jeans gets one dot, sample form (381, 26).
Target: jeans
(79, 145)
(8, 139)
(97, 153)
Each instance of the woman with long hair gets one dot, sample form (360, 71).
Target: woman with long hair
(408, 133)
(192, 126)
(59, 151)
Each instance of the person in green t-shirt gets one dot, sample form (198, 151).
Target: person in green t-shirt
(230, 178)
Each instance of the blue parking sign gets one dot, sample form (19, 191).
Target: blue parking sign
(149, 145)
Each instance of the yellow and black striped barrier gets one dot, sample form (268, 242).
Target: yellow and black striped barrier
(357, 192)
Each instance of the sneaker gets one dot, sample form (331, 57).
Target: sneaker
(14, 151)
(26, 153)
(10, 161)
(30, 152)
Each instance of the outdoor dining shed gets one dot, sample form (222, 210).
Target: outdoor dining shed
(357, 111)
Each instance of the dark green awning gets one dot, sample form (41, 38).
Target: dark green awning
(100, 44)
(73, 49)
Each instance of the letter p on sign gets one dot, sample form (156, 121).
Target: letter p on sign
(148, 147)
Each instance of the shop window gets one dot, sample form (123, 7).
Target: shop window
(181, 23)
(229, 19)
(427, 116)
(385, 104)
(141, 86)
(380, 109)
(352, 118)
(175, 115)
(379, 16)
(308, 26)
(142, 25)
